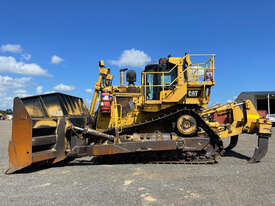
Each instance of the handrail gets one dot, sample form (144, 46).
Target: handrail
(160, 85)
(195, 73)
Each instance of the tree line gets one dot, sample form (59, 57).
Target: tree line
(7, 111)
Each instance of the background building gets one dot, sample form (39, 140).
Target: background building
(264, 102)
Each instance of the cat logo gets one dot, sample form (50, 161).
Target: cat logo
(193, 93)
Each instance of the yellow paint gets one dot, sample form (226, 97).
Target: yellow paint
(253, 116)
(171, 94)
(4, 116)
(251, 123)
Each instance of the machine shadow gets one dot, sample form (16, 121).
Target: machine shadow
(108, 161)
(40, 167)
(238, 155)
(92, 162)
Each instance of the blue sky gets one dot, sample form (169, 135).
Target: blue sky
(80, 33)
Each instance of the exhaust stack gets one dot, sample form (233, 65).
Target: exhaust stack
(122, 78)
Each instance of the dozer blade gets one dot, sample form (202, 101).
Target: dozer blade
(39, 128)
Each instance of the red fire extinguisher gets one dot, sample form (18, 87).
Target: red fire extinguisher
(105, 102)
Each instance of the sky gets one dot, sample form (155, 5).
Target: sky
(51, 45)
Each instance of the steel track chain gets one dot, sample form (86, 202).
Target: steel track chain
(148, 158)
(214, 138)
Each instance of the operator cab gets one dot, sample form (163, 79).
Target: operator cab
(158, 77)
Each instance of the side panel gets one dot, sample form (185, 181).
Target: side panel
(20, 147)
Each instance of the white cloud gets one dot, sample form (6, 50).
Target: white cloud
(11, 87)
(9, 64)
(56, 59)
(88, 90)
(21, 93)
(39, 89)
(132, 58)
(7, 82)
(26, 56)
(13, 48)
(6, 101)
(63, 87)
(232, 99)
(49, 92)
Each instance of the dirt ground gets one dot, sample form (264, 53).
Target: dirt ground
(230, 182)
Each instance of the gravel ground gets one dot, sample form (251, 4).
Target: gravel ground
(230, 182)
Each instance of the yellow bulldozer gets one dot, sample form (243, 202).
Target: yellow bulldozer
(163, 120)
(3, 117)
